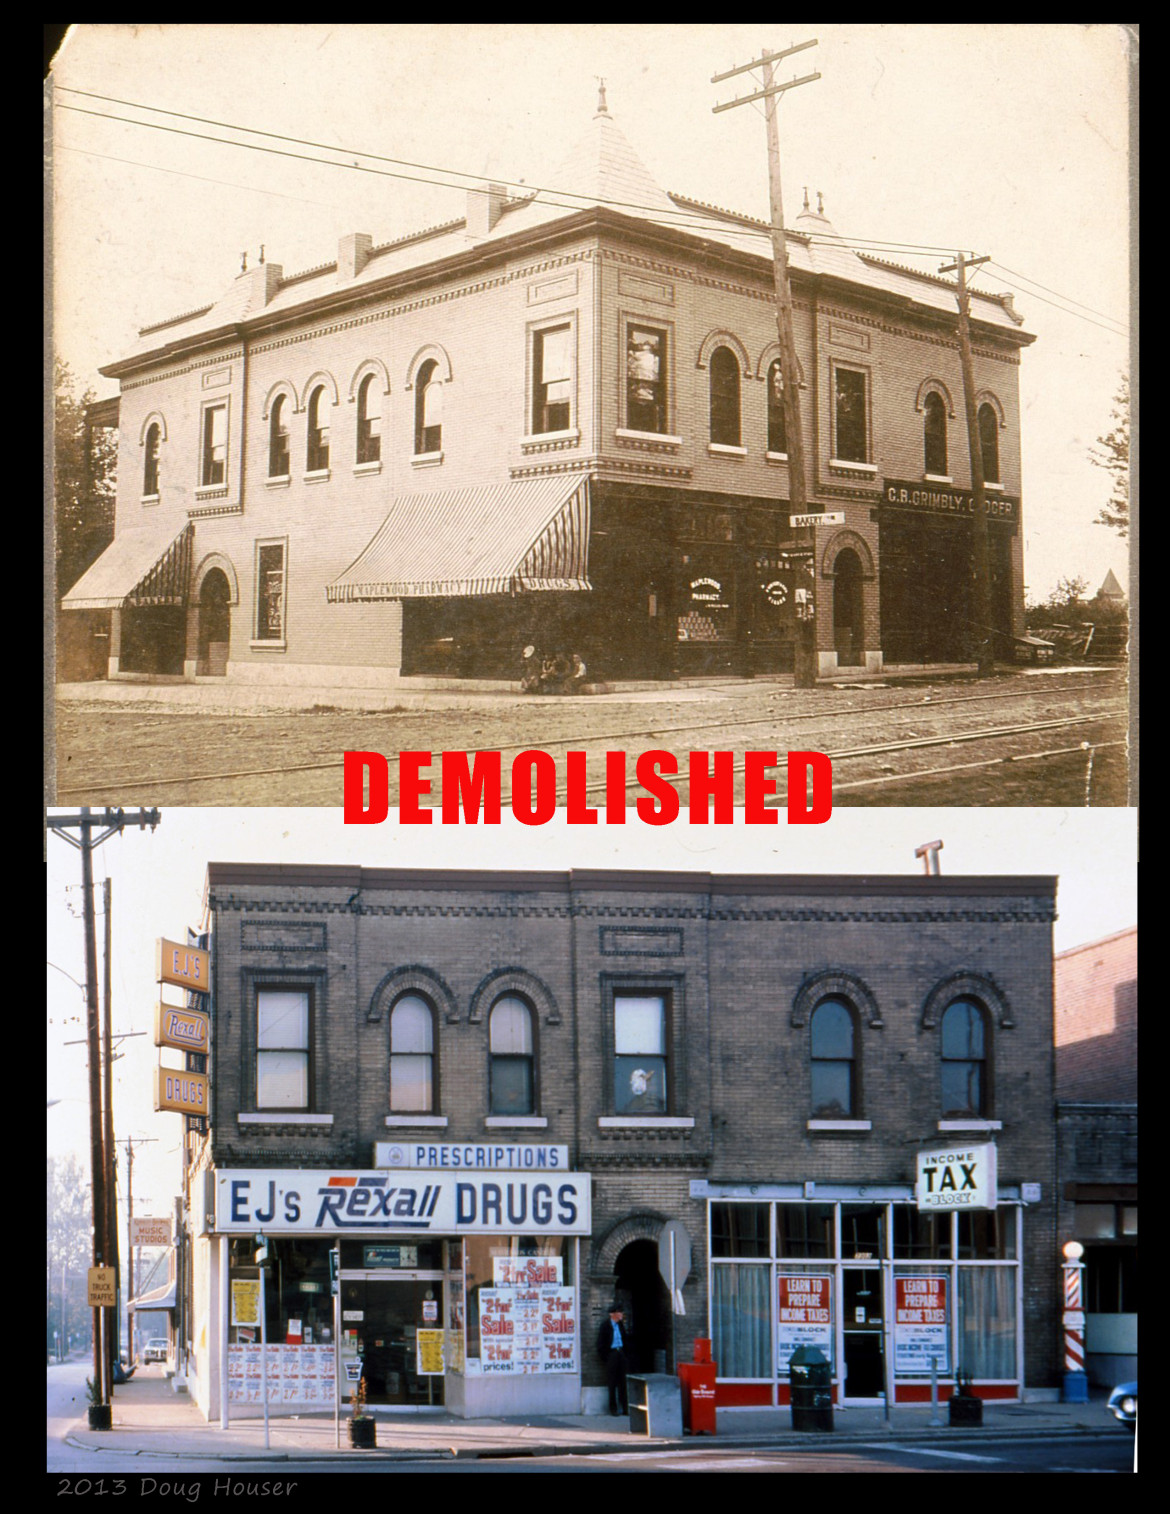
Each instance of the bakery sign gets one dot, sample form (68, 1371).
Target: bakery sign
(957, 1177)
(937, 499)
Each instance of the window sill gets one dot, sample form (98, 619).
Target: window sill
(429, 1121)
(539, 437)
(846, 1125)
(277, 481)
(285, 1119)
(515, 1122)
(269, 646)
(970, 1124)
(645, 1122)
(211, 491)
(776, 457)
(996, 488)
(317, 476)
(850, 467)
(426, 459)
(661, 438)
(150, 499)
(361, 469)
(937, 478)
(722, 449)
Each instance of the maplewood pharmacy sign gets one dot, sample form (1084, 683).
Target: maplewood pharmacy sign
(426, 1202)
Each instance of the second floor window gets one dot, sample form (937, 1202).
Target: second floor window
(834, 1093)
(964, 1060)
(317, 459)
(724, 397)
(552, 380)
(412, 1057)
(640, 1057)
(150, 467)
(278, 453)
(777, 423)
(646, 379)
(369, 437)
(213, 465)
(282, 1048)
(428, 409)
(852, 445)
(989, 443)
(934, 435)
(511, 1059)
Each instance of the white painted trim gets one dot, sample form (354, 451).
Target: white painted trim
(427, 1121)
(721, 449)
(970, 1124)
(515, 1122)
(572, 435)
(839, 462)
(648, 436)
(285, 1119)
(645, 1122)
(840, 1125)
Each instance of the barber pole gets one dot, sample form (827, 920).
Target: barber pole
(1076, 1383)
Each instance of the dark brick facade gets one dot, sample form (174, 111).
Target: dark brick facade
(742, 961)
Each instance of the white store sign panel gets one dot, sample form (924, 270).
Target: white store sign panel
(957, 1177)
(283, 1201)
(471, 1156)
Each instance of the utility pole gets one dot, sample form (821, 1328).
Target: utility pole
(115, 821)
(806, 659)
(113, 1335)
(131, 1269)
(979, 614)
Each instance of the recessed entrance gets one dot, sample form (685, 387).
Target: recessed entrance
(215, 623)
(863, 1317)
(642, 1294)
(848, 623)
(385, 1316)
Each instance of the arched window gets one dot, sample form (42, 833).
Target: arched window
(834, 1083)
(934, 435)
(724, 397)
(412, 1056)
(369, 435)
(318, 453)
(428, 409)
(278, 450)
(964, 1060)
(989, 443)
(150, 466)
(777, 425)
(511, 1060)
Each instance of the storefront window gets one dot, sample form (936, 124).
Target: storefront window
(921, 1233)
(863, 1231)
(739, 1230)
(987, 1321)
(805, 1230)
(521, 1309)
(987, 1235)
(741, 1320)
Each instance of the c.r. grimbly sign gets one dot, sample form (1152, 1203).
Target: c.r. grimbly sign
(934, 499)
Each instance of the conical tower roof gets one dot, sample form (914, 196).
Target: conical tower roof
(603, 169)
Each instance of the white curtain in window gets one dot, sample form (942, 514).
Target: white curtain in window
(741, 1320)
(987, 1321)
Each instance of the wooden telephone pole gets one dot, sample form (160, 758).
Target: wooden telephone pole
(979, 614)
(806, 659)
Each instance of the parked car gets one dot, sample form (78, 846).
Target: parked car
(155, 1350)
(1123, 1404)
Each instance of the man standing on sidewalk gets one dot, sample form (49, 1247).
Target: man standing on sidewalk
(613, 1347)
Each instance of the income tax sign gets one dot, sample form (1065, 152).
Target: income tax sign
(957, 1177)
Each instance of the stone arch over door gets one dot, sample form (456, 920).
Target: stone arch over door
(625, 1268)
(215, 592)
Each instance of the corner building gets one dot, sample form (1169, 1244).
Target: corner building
(491, 1092)
(558, 420)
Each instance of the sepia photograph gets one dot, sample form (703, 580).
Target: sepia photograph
(505, 386)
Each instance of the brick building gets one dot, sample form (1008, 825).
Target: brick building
(1097, 1141)
(492, 1092)
(558, 420)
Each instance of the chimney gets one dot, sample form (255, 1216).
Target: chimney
(262, 283)
(353, 253)
(484, 208)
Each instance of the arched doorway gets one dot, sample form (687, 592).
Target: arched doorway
(642, 1294)
(848, 621)
(215, 623)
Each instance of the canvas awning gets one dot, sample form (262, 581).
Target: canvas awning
(157, 1298)
(530, 534)
(150, 565)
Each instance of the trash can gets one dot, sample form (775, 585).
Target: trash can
(811, 1381)
(697, 1379)
(655, 1404)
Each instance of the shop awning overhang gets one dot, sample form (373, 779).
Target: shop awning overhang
(523, 536)
(145, 567)
(157, 1298)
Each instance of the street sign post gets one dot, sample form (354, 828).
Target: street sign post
(674, 1263)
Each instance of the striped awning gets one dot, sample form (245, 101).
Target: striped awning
(143, 567)
(530, 534)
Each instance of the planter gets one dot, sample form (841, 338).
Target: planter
(363, 1433)
(101, 1416)
(965, 1409)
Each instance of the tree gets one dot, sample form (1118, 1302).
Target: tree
(84, 464)
(1112, 453)
(68, 1249)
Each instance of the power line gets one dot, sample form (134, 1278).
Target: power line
(1057, 293)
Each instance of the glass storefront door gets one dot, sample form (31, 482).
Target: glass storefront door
(381, 1317)
(863, 1321)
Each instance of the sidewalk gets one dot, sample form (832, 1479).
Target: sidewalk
(153, 1420)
